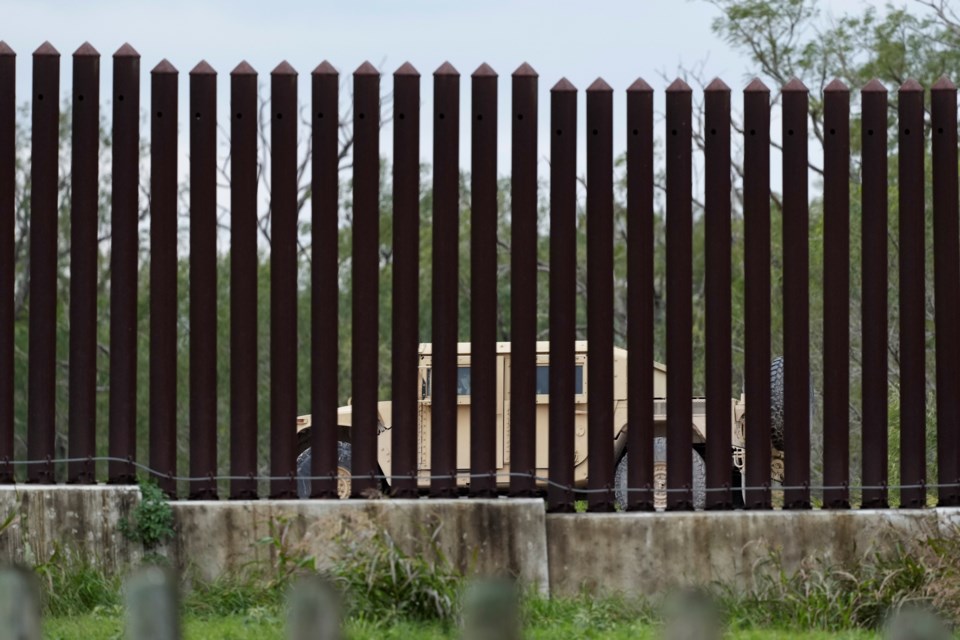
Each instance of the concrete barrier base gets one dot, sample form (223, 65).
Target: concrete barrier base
(217, 537)
(630, 553)
(85, 520)
(649, 553)
(477, 536)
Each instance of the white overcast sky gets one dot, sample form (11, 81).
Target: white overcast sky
(576, 39)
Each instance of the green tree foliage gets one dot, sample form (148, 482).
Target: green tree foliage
(799, 38)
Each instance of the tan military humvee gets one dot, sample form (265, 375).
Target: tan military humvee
(582, 382)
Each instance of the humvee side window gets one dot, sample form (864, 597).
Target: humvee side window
(463, 382)
(543, 379)
(425, 385)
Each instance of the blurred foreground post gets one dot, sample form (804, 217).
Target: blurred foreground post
(491, 611)
(19, 605)
(914, 623)
(314, 610)
(692, 614)
(152, 606)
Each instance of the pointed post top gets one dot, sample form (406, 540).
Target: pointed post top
(563, 85)
(5, 49)
(203, 69)
(874, 86)
(910, 85)
(325, 68)
(640, 86)
(756, 86)
(446, 69)
(836, 85)
(679, 86)
(284, 69)
(366, 69)
(126, 51)
(525, 70)
(407, 69)
(717, 85)
(795, 85)
(86, 49)
(243, 69)
(599, 85)
(46, 49)
(943, 83)
(164, 66)
(484, 71)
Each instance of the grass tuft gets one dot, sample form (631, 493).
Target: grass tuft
(822, 595)
(74, 585)
(383, 582)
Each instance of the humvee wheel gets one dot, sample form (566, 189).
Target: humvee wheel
(660, 478)
(344, 453)
(660, 484)
(776, 402)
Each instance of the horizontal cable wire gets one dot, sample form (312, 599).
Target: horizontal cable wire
(456, 476)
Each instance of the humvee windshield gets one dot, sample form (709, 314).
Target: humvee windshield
(543, 381)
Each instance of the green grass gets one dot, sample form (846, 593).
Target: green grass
(253, 627)
(391, 594)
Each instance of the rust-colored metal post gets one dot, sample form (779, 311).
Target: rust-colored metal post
(874, 293)
(244, 267)
(163, 274)
(913, 466)
(679, 298)
(446, 223)
(366, 275)
(600, 293)
(44, 154)
(836, 300)
(325, 300)
(523, 282)
(203, 280)
(8, 166)
(124, 264)
(640, 294)
(563, 293)
(483, 283)
(717, 284)
(946, 252)
(406, 277)
(283, 280)
(84, 200)
(796, 297)
(756, 214)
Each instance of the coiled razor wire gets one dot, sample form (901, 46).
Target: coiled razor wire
(458, 476)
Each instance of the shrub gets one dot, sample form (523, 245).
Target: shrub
(151, 521)
(383, 582)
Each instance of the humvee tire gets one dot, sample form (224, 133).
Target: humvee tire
(344, 453)
(660, 478)
(776, 402)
